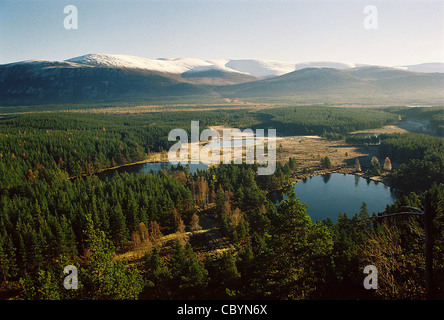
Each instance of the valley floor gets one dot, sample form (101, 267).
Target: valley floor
(307, 150)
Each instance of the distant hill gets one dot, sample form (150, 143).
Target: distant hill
(186, 69)
(249, 67)
(363, 84)
(268, 68)
(426, 67)
(110, 78)
(49, 82)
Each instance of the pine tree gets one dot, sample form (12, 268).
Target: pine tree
(104, 278)
(157, 275)
(363, 212)
(5, 260)
(220, 200)
(70, 249)
(188, 273)
(119, 230)
(197, 274)
(246, 255)
(178, 261)
(133, 212)
(296, 247)
(375, 168)
(228, 267)
(292, 163)
(326, 162)
(154, 262)
(42, 286)
(289, 241)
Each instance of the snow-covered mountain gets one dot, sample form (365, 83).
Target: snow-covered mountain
(175, 66)
(110, 77)
(270, 68)
(191, 70)
(253, 67)
(430, 67)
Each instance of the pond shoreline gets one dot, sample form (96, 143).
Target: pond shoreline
(384, 179)
(295, 177)
(111, 168)
(336, 191)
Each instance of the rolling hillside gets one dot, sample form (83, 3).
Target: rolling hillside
(98, 78)
(363, 84)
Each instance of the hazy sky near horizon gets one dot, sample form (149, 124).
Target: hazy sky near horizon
(409, 31)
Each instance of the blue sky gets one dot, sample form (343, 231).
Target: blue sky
(408, 32)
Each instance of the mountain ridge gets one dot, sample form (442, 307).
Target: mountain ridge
(92, 78)
(363, 84)
(260, 68)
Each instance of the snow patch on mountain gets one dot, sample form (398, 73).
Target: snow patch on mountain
(430, 67)
(175, 66)
(256, 68)
(131, 62)
(261, 68)
(253, 67)
(270, 68)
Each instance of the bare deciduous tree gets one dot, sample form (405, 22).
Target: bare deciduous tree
(141, 240)
(154, 231)
(235, 217)
(357, 165)
(398, 277)
(194, 223)
(387, 164)
(201, 191)
(181, 233)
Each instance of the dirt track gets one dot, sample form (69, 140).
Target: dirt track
(207, 241)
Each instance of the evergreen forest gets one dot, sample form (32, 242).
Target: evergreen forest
(136, 236)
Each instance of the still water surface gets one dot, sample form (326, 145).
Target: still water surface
(325, 195)
(147, 167)
(330, 194)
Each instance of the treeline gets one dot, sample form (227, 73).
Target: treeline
(75, 144)
(422, 158)
(363, 139)
(79, 143)
(407, 146)
(324, 121)
(433, 117)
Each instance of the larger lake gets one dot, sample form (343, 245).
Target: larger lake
(328, 195)
(325, 195)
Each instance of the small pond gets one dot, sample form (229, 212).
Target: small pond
(328, 195)
(147, 167)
